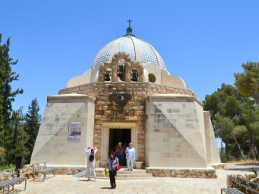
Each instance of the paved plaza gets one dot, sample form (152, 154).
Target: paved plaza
(62, 184)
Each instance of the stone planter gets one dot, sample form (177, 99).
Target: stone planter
(97, 164)
(139, 164)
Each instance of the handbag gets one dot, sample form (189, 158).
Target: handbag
(118, 167)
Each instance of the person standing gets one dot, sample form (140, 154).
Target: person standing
(90, 170)
(119, 151)
(130, 156)
(112, 163)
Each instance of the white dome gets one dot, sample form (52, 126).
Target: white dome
(138, 50)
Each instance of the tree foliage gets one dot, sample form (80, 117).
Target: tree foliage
(7, 76)
(224, 101)
(226, 107)
(235, 112)
(32, 123)
(17, 131)
(248, 82)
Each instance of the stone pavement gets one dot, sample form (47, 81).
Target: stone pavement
(63, 184)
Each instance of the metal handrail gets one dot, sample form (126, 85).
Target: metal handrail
(8, 173)
(245, 186)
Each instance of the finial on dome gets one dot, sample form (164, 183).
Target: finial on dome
(129, 22)
(129, 30)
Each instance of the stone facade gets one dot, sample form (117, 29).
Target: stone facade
(135, 109)
(167, 122)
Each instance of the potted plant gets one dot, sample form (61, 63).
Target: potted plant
(139, 164)
(97, 163)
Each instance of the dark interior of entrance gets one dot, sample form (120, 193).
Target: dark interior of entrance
(119, 135)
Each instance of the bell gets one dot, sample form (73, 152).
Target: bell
(107, 76)
(134, 76)
(120, 70)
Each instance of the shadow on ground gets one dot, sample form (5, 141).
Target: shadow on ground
(86, 180)
(105, 187)
(241, 169)
(248, 164)
(15, 191)
(41, 180)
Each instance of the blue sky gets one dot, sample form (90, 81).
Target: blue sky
(203, 42)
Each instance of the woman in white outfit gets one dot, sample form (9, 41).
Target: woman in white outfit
(130, 156)
(90, 170)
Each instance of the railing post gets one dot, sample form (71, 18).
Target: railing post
(33, 172)
(238, 182)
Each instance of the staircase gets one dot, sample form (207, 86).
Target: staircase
(123, 174)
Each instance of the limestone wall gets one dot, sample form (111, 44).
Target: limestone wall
(211, 144)
(52, 144)
(175, 132)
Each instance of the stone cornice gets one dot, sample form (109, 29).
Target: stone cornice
(104, 83)
(71, 96)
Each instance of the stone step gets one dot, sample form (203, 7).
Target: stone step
(125, 178)
(127, 172)
(126, 175)
(135, 171)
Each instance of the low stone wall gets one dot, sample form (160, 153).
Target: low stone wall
(218, 166)
(183, 173)
(67, 170)
(232, 182)
(27, 171)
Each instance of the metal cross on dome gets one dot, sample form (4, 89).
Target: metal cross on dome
(129, 22)
(129, 30)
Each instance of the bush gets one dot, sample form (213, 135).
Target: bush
(2, 154)
(8, 166)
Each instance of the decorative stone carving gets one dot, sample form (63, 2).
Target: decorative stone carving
(120, 99)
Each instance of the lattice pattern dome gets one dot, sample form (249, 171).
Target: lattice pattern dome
(138, 50)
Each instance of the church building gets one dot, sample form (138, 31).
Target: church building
(127, 96)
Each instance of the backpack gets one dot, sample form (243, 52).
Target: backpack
(91, 157)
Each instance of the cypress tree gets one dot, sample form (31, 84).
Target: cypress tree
(7, 95)
(32, 124)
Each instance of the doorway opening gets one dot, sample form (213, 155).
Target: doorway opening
(119, 135)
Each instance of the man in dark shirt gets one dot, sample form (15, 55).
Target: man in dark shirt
(119, 151)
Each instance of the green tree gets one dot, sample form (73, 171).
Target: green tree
(228, 130)
(2, 154)
(224, 106)
(7, 96)
(250, 118)
(19, 137)
(16, 139)
(1, 87)
(224, 101)
(248, 82)
(224, 127)
(32, 124)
